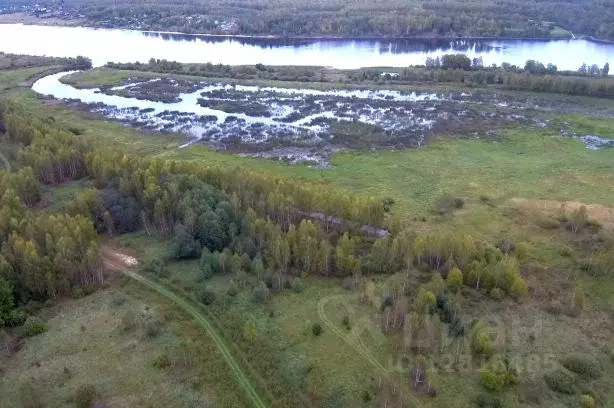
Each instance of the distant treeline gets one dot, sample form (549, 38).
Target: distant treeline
(506, 18)
(14, 61)
(454, 68)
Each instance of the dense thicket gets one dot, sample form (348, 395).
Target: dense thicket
(511, 18)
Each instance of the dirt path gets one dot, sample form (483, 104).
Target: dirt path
(119, 262)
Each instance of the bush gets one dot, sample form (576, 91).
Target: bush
(522, 251)
(481, 343)
(153, 328)
(157, 267)
(455, 279)
(34, 326)
(548, 223)
(582, 365)
(497, 294)
(206, 297)
(519, 288)
(560, 381)
(348, 283)
(17, 317)
(233, 289)
(487, 401)
(447, 204)
(260, 293)
(497, 374)
(346, 322)
(77, 292)
(587, 402)
(578, 219)
(316, 329)
(85, 396)
(298, 285)
(162, 361)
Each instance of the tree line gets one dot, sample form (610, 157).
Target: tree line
(453, 68)
(449, 18)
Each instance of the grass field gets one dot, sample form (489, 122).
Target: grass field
(111, 339)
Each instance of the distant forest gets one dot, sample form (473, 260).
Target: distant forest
(444, 18)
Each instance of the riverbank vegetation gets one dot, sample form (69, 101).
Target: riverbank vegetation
(457, 70)
(485, 277)
(345, 18)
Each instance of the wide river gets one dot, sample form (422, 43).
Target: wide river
(105, 45)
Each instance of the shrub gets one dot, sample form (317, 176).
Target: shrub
(497, 294)
(587, 402)
(519, 288)
(6, 298)
(233, 290)
(206, 272)
(481, 343)
(497, 374)
(157, 267)
(447, 204)
(455, 279)
(487, 401)
(560, 381)
(522, 251)
(250, 331)
(492, 380)
(548, 223)
(162, 361)
(85, 396)
(298, 285)
(206, 297)
(17, 317)
(153, 328)
(578, 219)
(260, 293)
(34, 326)
(346, 322)
(316, 329)
(77, 292)
(348, 283)
(582, 365)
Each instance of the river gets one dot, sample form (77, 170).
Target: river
(105, 45)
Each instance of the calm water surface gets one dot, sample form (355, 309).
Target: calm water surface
(104, 45)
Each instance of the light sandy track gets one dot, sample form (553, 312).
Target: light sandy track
(119, 262)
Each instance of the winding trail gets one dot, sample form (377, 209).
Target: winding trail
(7, 163)
(120, 263)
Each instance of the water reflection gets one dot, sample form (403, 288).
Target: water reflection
(105, 45)
(397, 46)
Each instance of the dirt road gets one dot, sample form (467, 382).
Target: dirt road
(115, 260)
